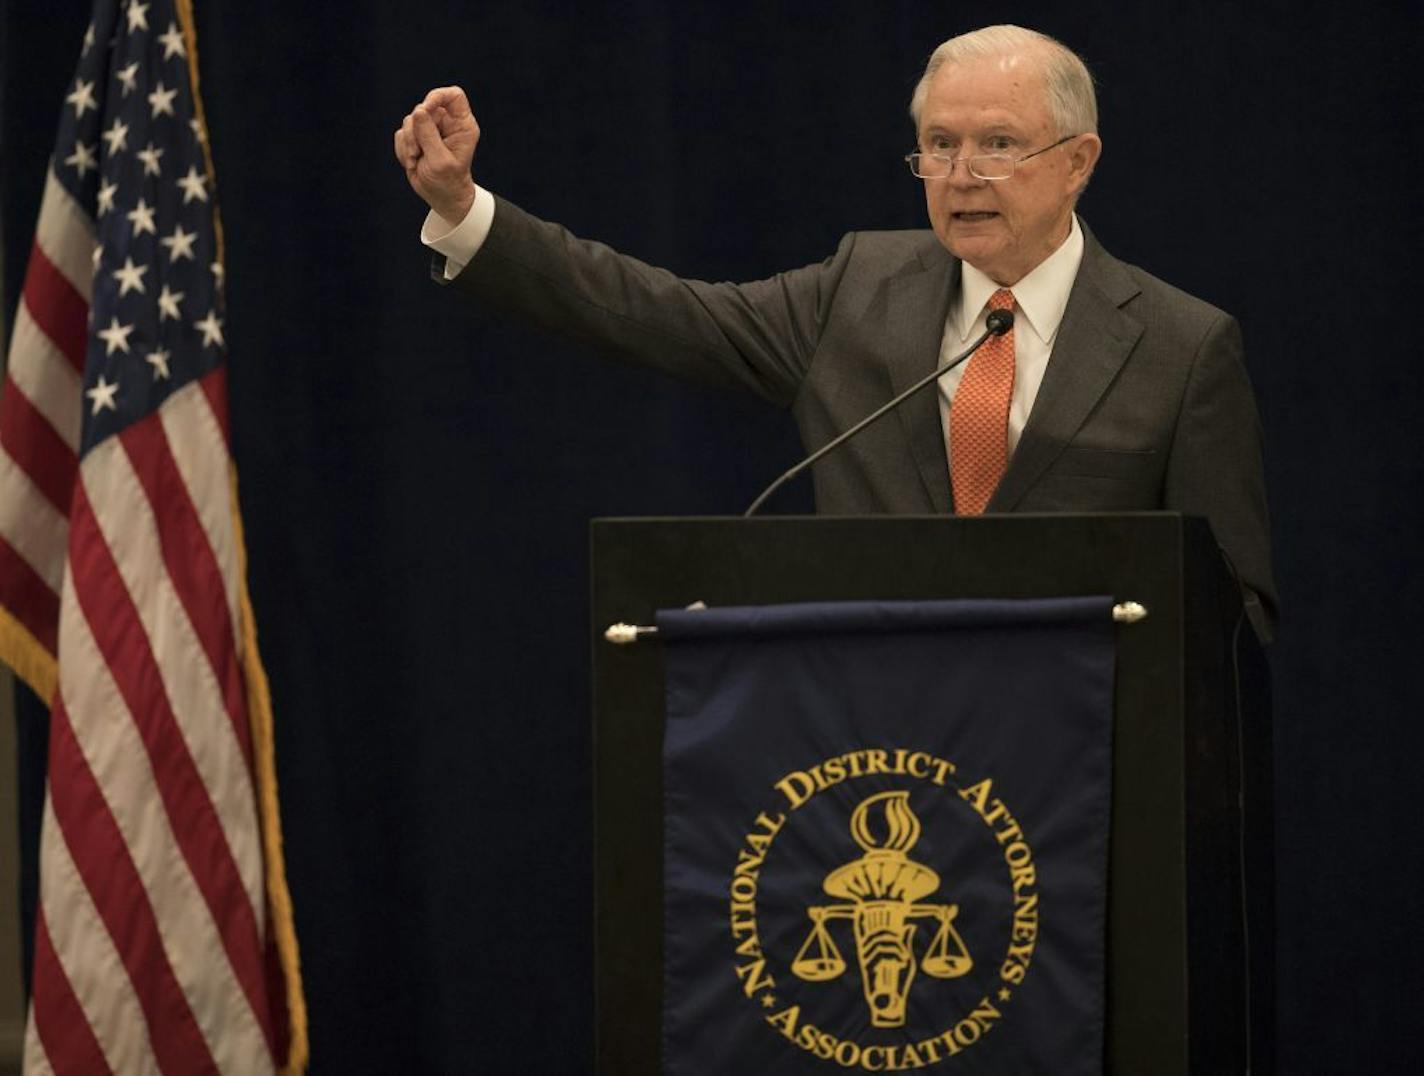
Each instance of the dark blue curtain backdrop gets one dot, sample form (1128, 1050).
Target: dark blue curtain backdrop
(417, 475)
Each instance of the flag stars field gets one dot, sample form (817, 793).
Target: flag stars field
(152, 180)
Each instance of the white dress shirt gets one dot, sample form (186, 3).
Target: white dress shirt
(463, 241)
(1039, 301)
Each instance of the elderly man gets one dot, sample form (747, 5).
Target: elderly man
(1112, 392)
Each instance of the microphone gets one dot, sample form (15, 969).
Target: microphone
(998, 322)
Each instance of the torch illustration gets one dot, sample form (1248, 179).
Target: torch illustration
(883, 887)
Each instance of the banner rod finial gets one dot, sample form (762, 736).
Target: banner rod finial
(622, 634)
(1129, 612)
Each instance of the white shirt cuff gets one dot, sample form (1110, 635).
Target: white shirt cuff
(462, 242)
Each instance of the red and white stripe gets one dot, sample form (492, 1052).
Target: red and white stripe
(40, 415)
(152, 937)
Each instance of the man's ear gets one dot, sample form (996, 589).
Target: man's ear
(1082, 159)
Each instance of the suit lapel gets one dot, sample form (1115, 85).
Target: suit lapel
(1094, 340)
(918, 302)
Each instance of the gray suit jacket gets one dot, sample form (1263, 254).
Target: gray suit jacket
(1145, 403)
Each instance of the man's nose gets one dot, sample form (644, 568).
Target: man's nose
(961, 176)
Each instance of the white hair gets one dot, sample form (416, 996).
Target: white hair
(1066, 81)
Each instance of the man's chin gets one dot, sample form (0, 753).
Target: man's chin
(979, 250)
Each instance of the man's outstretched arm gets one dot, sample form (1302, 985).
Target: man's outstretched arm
(758, 336)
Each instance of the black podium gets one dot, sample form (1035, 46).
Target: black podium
(1190, 912)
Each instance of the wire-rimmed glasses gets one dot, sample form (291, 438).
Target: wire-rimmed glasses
(986, 166)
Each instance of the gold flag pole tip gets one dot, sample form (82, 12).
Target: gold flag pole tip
(1129, 612)
(622, 634)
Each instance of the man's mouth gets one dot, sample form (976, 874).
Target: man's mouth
(972, 216)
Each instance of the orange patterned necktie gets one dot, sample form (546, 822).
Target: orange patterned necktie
(979, 418)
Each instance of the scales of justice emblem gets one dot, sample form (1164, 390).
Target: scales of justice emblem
(883, 888)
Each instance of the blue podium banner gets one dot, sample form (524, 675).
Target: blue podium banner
(886, 837)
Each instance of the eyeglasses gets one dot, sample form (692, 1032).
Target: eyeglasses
(988, 166)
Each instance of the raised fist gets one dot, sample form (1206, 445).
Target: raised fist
(436, 146)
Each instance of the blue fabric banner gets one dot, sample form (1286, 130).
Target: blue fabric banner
(886, 837)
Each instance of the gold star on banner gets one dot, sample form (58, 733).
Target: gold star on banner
(768, 1000)
(1005, 994)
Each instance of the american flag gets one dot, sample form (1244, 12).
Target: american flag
(163, 941)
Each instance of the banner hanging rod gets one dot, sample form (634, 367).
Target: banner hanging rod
(622, 634)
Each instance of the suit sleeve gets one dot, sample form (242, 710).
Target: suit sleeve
(756, 337)
(1216, 469)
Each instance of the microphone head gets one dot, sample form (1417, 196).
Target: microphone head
(1000, 321)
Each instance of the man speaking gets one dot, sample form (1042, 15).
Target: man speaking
(1111, 392)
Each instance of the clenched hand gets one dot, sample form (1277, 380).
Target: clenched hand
(436, 146)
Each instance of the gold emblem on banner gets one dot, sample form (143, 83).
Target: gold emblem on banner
(884, 887)
(885, 902)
